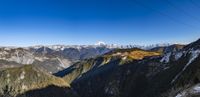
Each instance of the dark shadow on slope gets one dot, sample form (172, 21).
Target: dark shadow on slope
(65, 71)
(70, 69)
(98, 70)
(129, 80)
(49, 91)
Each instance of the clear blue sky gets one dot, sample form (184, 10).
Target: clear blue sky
(33, 22)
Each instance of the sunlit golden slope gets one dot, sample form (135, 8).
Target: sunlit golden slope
(136, 54)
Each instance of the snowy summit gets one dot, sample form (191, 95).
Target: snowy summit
(100, 43)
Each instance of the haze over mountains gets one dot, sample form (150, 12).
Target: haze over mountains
(54, 58)
(100, 71)
(47, 50)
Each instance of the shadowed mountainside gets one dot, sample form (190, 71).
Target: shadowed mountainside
(19, 80)
(49, 91)
(138, 73)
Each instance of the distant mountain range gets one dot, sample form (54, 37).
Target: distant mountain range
(171, 71)
(101, 71)
(50, 58)
(53, 58)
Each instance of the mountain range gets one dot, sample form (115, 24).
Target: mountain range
(171, 71)
(101, 71)
(53, 58)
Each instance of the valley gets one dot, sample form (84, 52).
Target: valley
(166, 71)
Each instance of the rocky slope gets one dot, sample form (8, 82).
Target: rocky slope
(138, 73)
(166, 49)
(54, 58)
(100, 71)
(121, 56)
(29, 81)
(50, 58)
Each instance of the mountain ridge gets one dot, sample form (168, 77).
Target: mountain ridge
(54, 58)
(101, 72)
(155, 76)
(20, 80)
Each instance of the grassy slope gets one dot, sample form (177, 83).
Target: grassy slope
(14, 81)
(124, 55)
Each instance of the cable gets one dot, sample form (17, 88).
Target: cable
(163, 14)
(183, 11)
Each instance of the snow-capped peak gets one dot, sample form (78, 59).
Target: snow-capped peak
(100, 43)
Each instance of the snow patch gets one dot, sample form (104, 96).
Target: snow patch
(8, 75)
(24, 87)
(109, 90)
(191, 91)
(61, 63)
(166, 58)
(196, 89)
(178, 55)
(166, 68)
(194, 55)
(181, 94)
(100, 43)
(38, 74)
(124, 58)
(8, 80)
(22, 76)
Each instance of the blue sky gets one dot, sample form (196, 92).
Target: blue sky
(143, 22)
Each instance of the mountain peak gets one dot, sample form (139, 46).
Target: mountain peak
(194, 45)
(100, 43)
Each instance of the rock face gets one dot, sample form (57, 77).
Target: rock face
(138, 73)
(166, 49)
(53, 58)
(123, 56)
(172, 71)
(193, 91)
(25, 80)
(50, 58)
